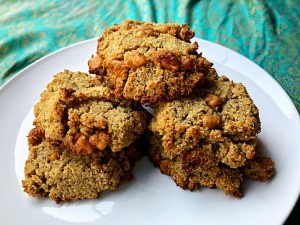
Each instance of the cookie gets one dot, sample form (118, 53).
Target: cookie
(259, 168)
(195, 168)
(222, 114)
(79, 110)
(55, 171)
(209, 138)
(148, 62)
(200, 167)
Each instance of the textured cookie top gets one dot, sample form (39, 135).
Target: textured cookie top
(54, 170)
(78, 109)
(148, 62)
(196, 168)
(201, 167)
(100, 124)
(221, 114)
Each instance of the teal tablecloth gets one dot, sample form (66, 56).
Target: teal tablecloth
(267, 32)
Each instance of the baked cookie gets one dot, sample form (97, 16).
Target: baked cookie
(148, 62)
(260, 167)
(209, 138)
(195, 168)
(200, 167)
(55, 171)
(222, 114)
(79, 110)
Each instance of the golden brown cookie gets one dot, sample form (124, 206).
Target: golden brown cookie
(195, 168)
(260, 167)
(55, 171)
(222, 114)
(148, 62)
(209, 138)
(79, 110)
(200, 167)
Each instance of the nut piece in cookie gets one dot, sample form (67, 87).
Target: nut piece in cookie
(95, 125)
(149, 62)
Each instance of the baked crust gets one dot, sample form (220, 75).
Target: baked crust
(81, 111)
(53, 170)
(230, 122)
(209, 138)
(200, 167)
(148, 62)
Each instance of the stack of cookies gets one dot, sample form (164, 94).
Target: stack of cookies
(83, 141)
(203, 131)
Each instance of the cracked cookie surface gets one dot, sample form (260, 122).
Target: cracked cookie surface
(222, 113)
(84, 139)
(200, 167)
(148, 62)
(196, 168)
(79, 110)
(209, 138)
(55, 171)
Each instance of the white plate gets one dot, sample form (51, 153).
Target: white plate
(152, 198)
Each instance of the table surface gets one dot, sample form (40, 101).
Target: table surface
(266, 32)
